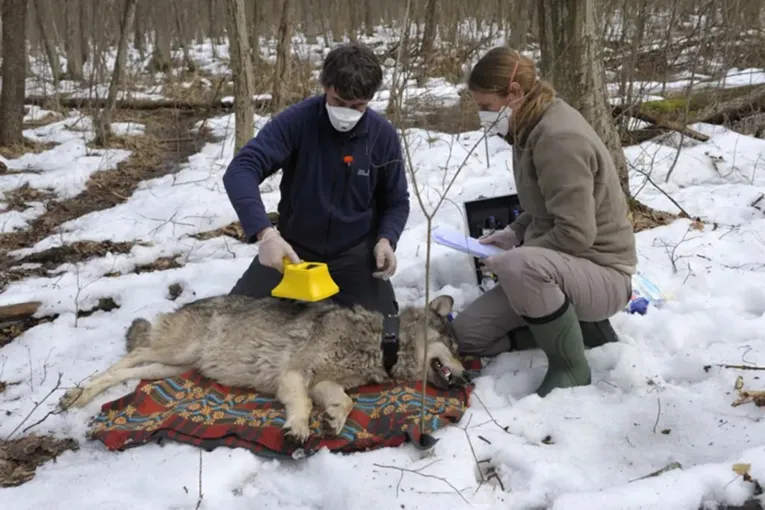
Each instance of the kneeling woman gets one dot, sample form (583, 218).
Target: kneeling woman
(570, 255)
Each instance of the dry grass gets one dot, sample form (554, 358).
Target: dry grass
(645, 218)
(158, 152)
(427, 113)
(160, 264)
(19, 199)
(27, 147)
(233, 230)
(10, 331)
(48, 118)
(198, 86)
(76, 252)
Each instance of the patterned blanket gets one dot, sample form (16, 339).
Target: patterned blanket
(194, 410)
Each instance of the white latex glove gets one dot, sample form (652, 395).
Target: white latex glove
(273, 249)
(505, 239)
(385, 260)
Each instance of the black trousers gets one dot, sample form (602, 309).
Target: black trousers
(351, 270)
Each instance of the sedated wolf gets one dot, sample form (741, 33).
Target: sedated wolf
(301, 353)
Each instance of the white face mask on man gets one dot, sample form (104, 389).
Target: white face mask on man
(496, 122)
(343, 119)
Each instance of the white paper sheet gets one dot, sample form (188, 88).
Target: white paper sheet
(461, 242)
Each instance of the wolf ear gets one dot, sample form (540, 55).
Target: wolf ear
(442, 305)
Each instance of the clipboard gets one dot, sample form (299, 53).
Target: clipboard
(463, 243)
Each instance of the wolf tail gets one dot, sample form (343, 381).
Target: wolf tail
(137, 334)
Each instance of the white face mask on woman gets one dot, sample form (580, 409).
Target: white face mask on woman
(343, 119)
(500, 121)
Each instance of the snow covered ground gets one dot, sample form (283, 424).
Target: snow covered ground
(658, 396)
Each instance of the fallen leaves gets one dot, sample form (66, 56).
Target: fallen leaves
(20, 458)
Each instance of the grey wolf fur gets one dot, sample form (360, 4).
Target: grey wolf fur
(300, 353)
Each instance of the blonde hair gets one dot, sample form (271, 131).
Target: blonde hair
(492, 74)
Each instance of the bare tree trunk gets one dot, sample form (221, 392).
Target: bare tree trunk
(182, 37)
(241, 66)
(750, 13)
(213, 27)
(72, 40)
(139, 32)
(369, 19)
(14, 72)
(83, 26)
(283, 53)
(520, 23)
(49, 35)
(393, 108)
(160, 55)
(103, 126)
(428, 41)
(255, 15)
(572, 60)
(335, 23)
(354, 19)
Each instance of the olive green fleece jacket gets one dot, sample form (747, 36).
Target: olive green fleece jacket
(570, 193)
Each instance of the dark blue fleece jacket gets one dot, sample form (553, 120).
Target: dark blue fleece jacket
(337, 189)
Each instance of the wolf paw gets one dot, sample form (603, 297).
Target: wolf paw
(72, 398)
(297, 428)
(336, 416)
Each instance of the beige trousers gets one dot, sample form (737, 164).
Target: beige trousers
(533, 282)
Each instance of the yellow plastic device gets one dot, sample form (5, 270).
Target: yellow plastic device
(306, 281)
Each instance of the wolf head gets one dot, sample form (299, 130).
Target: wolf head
(430, 326)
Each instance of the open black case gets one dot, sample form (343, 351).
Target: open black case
(504, 209)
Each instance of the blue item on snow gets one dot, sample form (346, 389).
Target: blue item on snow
(639, 305)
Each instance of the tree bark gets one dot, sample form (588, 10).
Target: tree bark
(83, 31)
(253, 27)
(520, 23)
(14, 13)
(103, 126)
(283, 53)
(369, 19)
(160, 55)
(49, 35)
(182, 37)
(139, 26)
(241, 66)
(573, 61)
(335, 23)
(428, 41)
(73, 40)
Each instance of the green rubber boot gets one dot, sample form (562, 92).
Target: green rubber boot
(595, 334)
(560, 337)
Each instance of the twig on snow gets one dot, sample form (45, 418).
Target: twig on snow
(661, 190)
(658, 413)
(37, 405)
(668, 467)
(424, 475)
(740, 367)
(490, 473)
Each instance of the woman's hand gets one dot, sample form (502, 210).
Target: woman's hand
(505, 239)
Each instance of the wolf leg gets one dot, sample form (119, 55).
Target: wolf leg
(292, 392)
(103, 381)
(150, 372)
(336, 403)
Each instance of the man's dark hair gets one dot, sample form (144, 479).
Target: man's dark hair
(353, 70)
